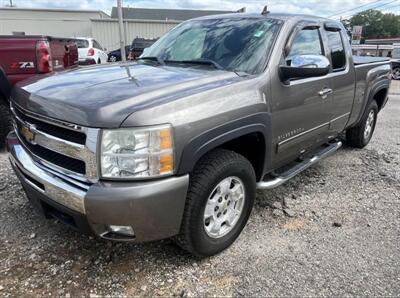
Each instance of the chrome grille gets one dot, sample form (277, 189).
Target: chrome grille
(66, 148)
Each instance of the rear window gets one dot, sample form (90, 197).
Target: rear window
(82, 43)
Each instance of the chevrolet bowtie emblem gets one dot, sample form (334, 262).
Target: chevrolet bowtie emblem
(29, 133)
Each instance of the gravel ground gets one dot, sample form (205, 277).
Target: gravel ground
(332, 231)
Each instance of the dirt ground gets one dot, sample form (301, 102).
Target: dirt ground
(334, 230)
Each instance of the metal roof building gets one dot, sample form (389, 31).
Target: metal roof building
(56, 22)
(163, 14)
(138, 22)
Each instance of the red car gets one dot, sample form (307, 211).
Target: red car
(22, 57)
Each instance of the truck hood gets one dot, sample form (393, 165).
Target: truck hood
(104, 96)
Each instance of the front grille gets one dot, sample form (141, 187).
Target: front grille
(61, 146)
(57, 131)
(55, 158)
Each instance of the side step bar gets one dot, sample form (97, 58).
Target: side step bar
(300, 167)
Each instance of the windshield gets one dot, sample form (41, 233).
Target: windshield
(396, 53)
(237, 44)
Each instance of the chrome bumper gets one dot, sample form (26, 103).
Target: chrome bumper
(51, 185)
(154, 209)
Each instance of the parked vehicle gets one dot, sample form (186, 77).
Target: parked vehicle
(138, 45)
(176, 144)
(23, 57)
(396, 61)
(91, 52)
(115, 55)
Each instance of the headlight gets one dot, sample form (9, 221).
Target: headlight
(137, 152)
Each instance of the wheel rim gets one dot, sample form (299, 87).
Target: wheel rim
(224, 207)
(369, 126)
(396, 74)
(113, 59)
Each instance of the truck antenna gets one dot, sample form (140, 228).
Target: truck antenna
(265, 10)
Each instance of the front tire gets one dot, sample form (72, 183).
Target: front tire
(219, 202)
(360, 135)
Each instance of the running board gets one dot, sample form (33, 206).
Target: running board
(300, 167)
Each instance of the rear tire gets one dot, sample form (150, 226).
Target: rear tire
(360, 135)
(5, 122)
(216, 185)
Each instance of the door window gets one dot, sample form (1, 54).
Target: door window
(337, 50)
(96, 45)
(306, 42)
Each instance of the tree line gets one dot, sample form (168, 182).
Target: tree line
(375, 24)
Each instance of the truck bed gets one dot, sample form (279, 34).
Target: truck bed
(359, 60)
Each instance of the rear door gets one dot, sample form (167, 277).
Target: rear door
(83, 48)
(100, 51)
(343, 76)
(300, 114)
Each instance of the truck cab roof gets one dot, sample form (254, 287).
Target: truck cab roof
(281, 16)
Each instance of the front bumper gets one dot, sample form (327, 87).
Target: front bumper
(153, 209)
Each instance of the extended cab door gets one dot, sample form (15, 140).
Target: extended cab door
(343, 76)
(300, 107)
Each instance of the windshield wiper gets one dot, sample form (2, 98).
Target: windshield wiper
(202, 61)
(153, 58)
(206, 61)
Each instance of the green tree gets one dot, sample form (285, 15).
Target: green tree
(375, 24)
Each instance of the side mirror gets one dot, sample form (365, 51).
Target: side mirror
(304, 66)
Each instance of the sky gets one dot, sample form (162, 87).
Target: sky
(327, 8)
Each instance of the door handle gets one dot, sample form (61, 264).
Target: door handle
(325, 92)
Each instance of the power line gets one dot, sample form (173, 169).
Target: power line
(375, 7)
(354, 8)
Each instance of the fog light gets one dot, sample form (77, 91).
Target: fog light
(122, 230)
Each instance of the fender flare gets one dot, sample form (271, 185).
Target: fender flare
(370, 97)
(215, 137)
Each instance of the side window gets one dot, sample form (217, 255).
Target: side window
(337, 50)
(97, 45)
(306, 42)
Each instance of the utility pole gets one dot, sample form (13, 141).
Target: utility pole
(121, 31)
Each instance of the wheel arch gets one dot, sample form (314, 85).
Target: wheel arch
(249, 136)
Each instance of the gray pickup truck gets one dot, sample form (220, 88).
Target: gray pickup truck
(176, 144)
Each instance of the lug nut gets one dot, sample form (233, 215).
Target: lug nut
(216, 208)
(220, 200)
(219, 214)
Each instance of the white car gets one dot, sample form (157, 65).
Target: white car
(90, 51)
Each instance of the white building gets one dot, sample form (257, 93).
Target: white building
(138, 22)
(55, 22)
